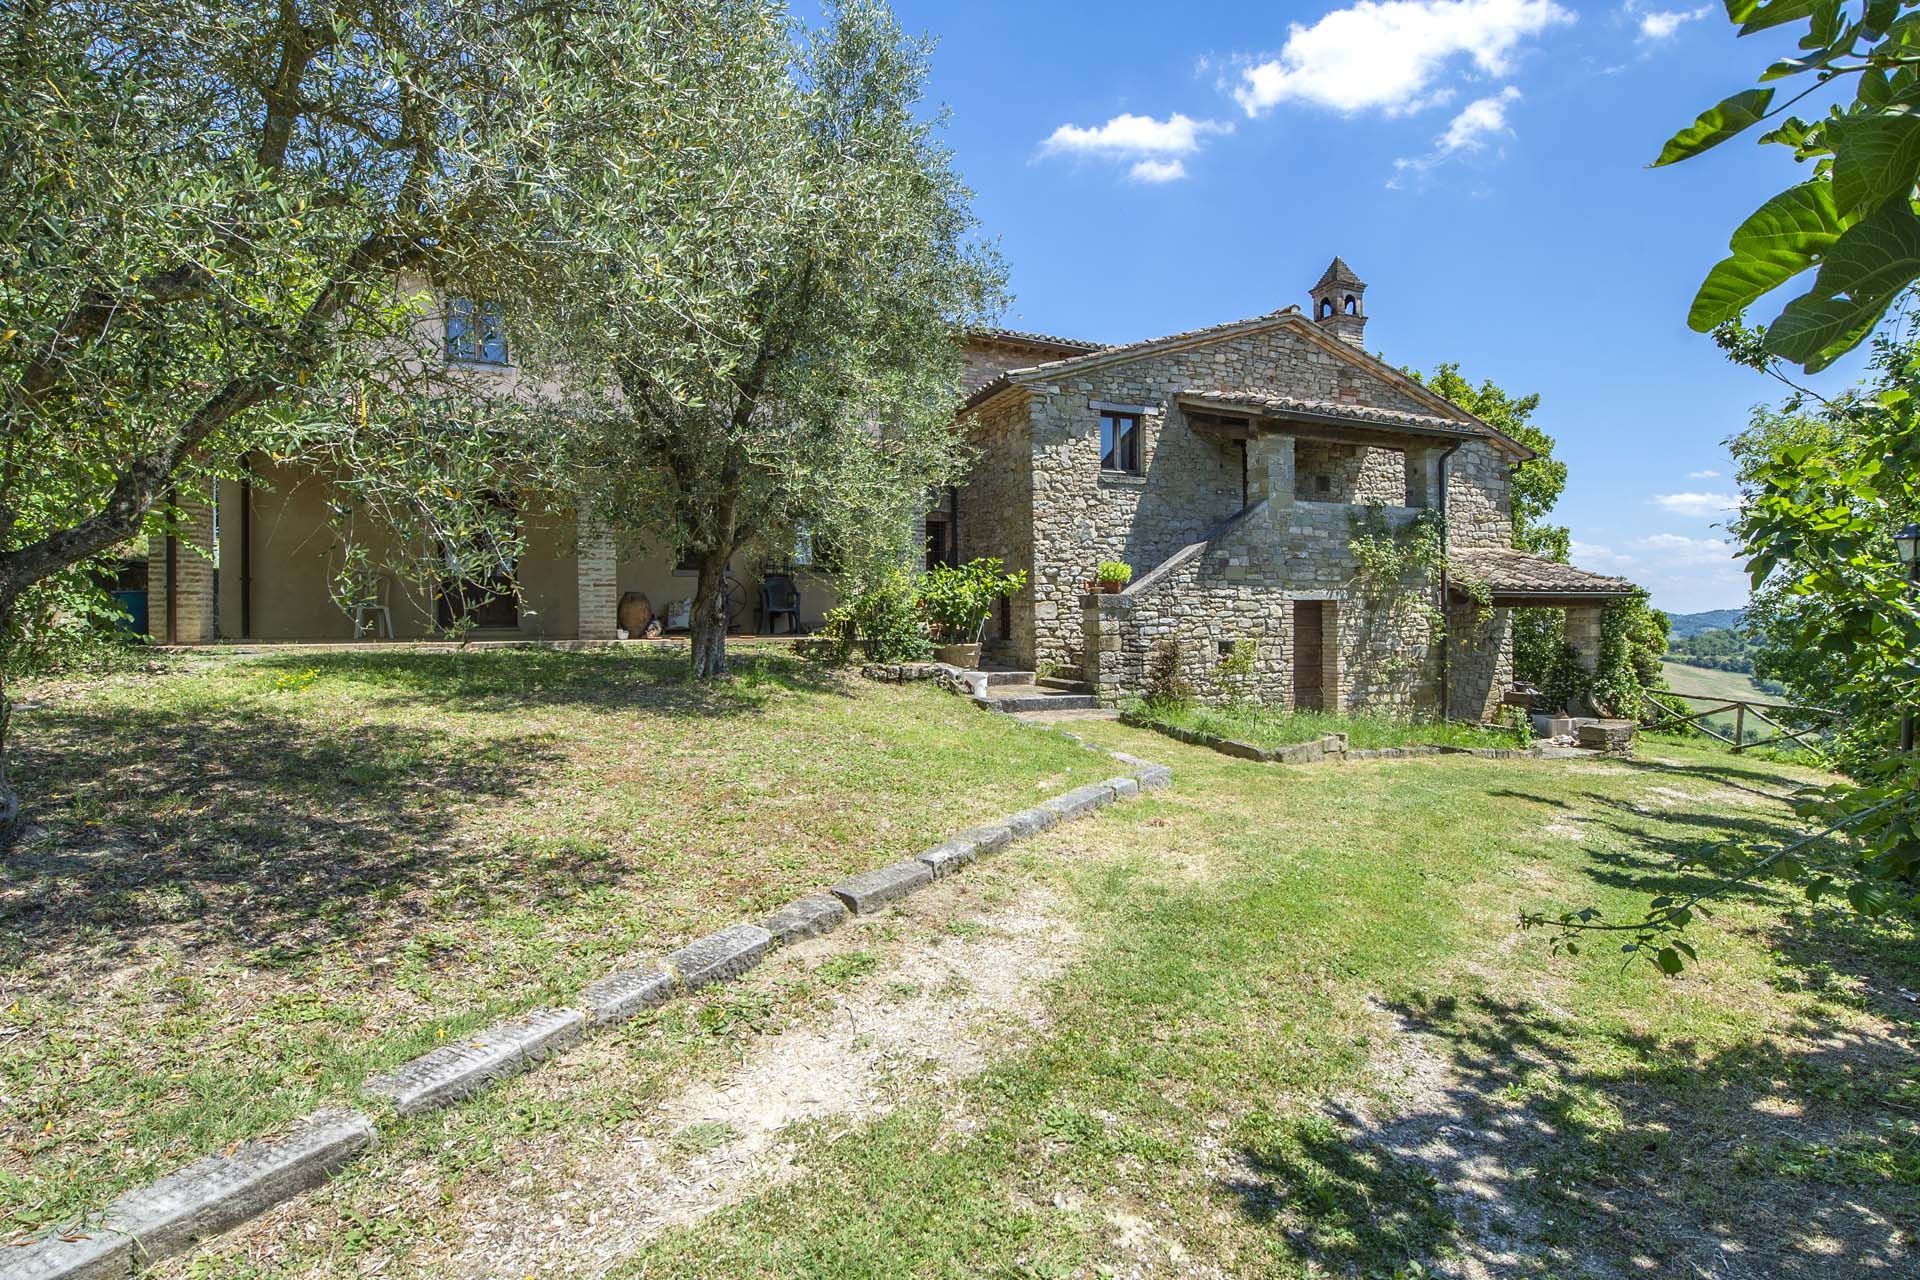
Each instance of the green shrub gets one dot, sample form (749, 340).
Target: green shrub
(882, 619)
(1166, 684)
(1117, 572)
(958, 601)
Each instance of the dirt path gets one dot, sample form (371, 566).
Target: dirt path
(952, 979)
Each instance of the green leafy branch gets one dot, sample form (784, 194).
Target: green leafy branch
(1853, 223)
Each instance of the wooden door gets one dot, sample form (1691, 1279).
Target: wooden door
(1309, 646)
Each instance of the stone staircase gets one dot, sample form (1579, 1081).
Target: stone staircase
(1020, 693)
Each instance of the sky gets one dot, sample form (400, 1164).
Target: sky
(1481, 164)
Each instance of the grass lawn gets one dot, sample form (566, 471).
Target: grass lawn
(259, 879)
(1265, 727)
(1263, 1024)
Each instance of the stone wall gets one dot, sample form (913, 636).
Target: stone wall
(1479, 497)
(1479, 661)
(1240, 585)
(1328, 472)
(1189, 482)
(993, 516)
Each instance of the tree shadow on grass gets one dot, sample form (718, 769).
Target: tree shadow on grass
(250, 830)
(647, 679)
(1510, 1148)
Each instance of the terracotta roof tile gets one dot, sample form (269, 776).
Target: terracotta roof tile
(1277, 405)
(1021, 337)
(1518, 573)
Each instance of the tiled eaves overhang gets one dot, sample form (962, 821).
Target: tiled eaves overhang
(1261, 409)
(1518, 579)
(1040, 374)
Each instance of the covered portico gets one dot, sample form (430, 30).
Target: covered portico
(1515, 579)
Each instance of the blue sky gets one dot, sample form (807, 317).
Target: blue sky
(1148, 168)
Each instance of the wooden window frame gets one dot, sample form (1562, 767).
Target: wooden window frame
(1124, 448)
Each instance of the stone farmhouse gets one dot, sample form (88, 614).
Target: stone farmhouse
(1229, 466)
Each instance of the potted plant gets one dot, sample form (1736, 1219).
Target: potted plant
(1112, 575)
(957, 603)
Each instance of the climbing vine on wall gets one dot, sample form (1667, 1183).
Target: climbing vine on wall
(1396, 572)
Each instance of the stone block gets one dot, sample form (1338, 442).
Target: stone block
(619, 996)
(725, 954)
(988, 837)
(948, 856)
(1123, 787)
(872, 890)
(1080, 801)
(1031, 822)
(457, 1071)
(95, 1255)
(807, 917)
(207, 1197)
(1155, 777)
(1241, 750)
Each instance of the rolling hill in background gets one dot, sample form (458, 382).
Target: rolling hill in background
(1692, 624)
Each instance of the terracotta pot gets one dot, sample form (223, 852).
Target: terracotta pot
(966, 656)
(1112, 588)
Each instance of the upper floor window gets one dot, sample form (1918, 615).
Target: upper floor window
(476, 332)
(1119, 441)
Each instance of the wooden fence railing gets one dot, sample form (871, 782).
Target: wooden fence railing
(1741, 708)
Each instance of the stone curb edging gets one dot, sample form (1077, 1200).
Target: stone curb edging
(199, 1201)
(1332, 746)
(175, 1213)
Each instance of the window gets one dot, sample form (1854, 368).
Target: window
(476, 332)
(1119, 441)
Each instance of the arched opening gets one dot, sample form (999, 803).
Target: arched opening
(1353, 305)
(1326, 308)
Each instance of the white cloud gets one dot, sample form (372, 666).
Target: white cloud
(1700, 505)
(1685, 574)
(1676, 548)
(1131, 135)
(1158, 170)
(1468, 131)
(1660, 24)
(1388, 55)
(1483, 118)
(1154, 146)
(1703, 475)
(1590, 555)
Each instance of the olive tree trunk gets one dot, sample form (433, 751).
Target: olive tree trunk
(709, 621)
(9, 798)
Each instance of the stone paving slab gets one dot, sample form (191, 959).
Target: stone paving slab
(725, 954)
(874, 889)
(807, 917)
(619, 996)
(458, 1071)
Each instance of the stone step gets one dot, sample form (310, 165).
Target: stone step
(1032, 697)
(995, 676)
(1066, 684)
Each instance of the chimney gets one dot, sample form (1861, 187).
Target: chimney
(1340, 303)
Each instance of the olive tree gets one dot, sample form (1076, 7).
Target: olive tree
(755, 338)
(217, 226)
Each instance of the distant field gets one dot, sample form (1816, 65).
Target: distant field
(1708, 683)
(1715, 684)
